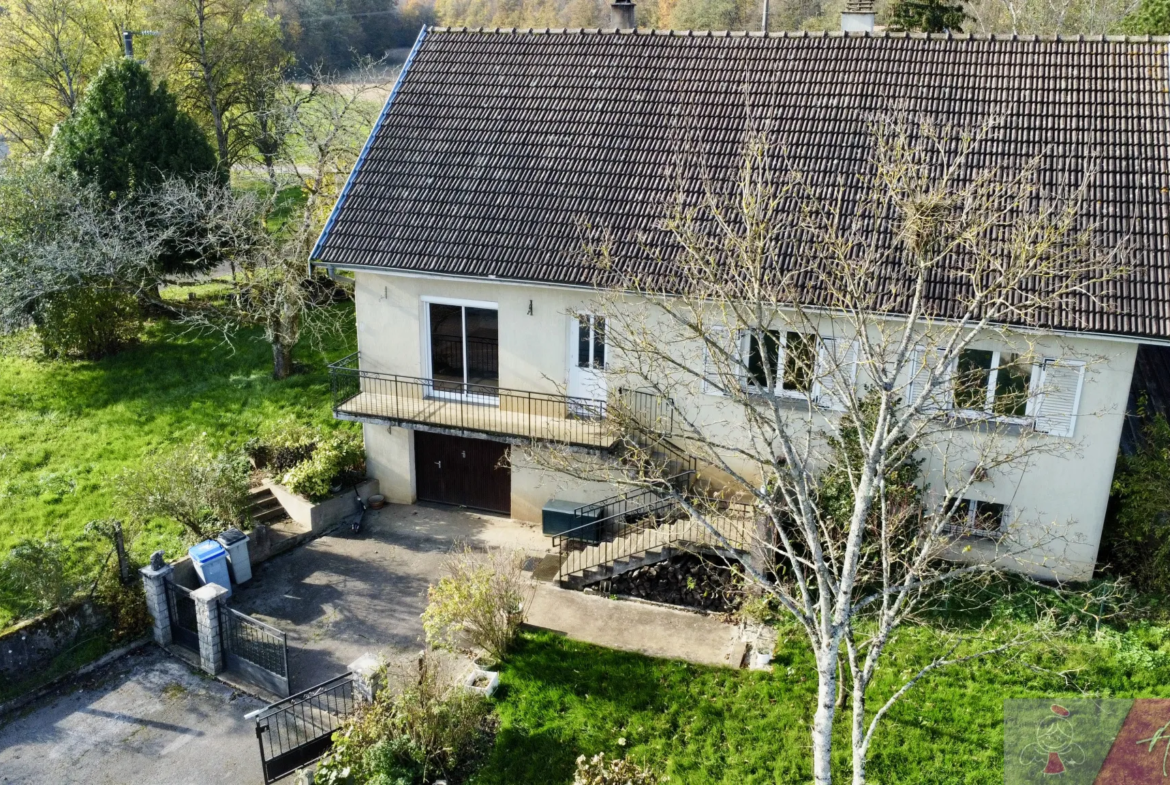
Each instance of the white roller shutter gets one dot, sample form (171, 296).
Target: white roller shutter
(712, 384)
(1060, 396)
(921, 363)
(836, 365)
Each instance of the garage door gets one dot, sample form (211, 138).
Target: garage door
(467, 472)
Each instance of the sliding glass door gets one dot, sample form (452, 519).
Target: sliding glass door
(464, 350)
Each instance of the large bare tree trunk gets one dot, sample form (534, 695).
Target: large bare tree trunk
(822, 730)
(281, 360)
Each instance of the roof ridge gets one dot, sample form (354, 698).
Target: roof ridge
(1129, 39)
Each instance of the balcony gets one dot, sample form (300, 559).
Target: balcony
(465, 408)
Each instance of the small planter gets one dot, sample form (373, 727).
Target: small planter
(377, 501)
(483, 682)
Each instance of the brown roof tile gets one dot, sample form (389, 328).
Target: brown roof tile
(496, 145)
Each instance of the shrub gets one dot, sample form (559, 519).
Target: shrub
(36, 577)
(88, 323)
(192, 485)
(1137, 542)
(616, 771)
(479, 604)
(332, 457)
(287, 443)
(410, 736)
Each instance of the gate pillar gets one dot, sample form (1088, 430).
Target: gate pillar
(368, 673)
(154, 584)
(207, 619)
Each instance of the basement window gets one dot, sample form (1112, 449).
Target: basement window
(974, 518)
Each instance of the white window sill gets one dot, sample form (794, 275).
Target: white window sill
(973, 419)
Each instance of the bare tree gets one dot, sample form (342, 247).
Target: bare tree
(49, 49)
(790, 329)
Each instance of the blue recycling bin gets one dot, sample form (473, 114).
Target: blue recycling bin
(210, 560)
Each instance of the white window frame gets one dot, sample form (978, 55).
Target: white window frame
(575, 337)
(968, 529)
(745, 348)
(426, 365)
(988, 412)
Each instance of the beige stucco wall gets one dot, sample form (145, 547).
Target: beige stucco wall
(533, 356)
(1063, 486)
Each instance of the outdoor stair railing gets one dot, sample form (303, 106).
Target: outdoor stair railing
(629, 419)
(632, 524)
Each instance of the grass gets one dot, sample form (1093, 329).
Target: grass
(69, 428)
(559, 699)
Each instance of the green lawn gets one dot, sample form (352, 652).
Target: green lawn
(559, 699)
(67, 428)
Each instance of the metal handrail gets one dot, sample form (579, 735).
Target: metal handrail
(300, 697)
(504, 412)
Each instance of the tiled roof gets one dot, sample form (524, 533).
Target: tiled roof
(497, 145)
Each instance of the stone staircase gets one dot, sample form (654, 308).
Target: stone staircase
(649, 541)
(266, 508)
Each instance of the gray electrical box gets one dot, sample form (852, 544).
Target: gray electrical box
(558, 517)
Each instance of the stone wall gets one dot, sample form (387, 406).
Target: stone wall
(31, 645)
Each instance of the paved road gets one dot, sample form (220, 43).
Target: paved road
(145, 719)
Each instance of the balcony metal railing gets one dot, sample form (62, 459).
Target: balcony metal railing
(472, 408)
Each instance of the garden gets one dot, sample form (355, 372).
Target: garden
(570, 712)
(92, 440)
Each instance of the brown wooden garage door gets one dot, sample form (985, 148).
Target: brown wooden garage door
(468, 472)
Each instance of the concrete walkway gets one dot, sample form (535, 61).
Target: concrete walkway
(145, 719)
(343, 595)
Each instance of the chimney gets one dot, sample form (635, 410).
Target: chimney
(857, 16)
(622, 15)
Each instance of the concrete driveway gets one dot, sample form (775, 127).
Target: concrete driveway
(146, 718)
(343, 595)
(149, 719)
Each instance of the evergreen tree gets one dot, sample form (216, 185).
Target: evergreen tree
(128, 134)
(928, 16)
(1151, 17)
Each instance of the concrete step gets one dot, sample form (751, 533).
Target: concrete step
(268, 516)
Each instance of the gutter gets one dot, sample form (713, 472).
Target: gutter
(422, 34)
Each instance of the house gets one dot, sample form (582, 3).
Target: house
(462, 222)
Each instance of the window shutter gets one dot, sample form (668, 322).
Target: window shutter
(1060, 396)
(921, 364)
(836, 365)
(712, 384)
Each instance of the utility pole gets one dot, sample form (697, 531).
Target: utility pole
(765, 23)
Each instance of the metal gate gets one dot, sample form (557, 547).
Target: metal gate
(254, 650)
(298, 730)
(181, 609)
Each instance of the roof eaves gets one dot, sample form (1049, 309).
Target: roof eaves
(321, 239)
(947, 36)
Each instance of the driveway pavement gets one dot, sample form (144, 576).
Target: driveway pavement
(150, 719)
(144, 719)
(343, 595)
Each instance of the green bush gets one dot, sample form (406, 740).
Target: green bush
(480, 603)
(332, 457)
(1137, 540)
(192, 485)
(409, 736)
(88, 323)
(284, 444)
(36, 577)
